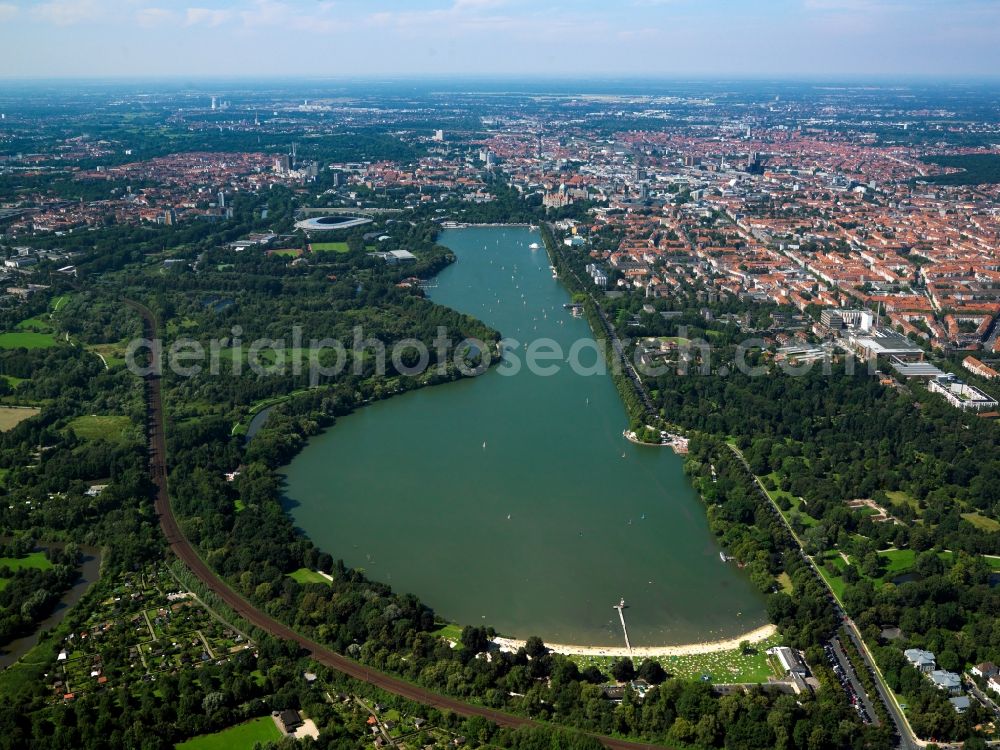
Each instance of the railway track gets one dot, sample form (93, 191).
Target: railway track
(185, 551)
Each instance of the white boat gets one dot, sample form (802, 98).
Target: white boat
(533, 246)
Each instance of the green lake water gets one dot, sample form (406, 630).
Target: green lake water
(542, 531)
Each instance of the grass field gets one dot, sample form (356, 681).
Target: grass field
(290, 252)
(31, 560)
(14, 382)
(26, 340)
(11, 417)
(722, 666)
(329, 247)
(304, 575)
(38, 325)
(981, 522)
(902, 498)
(97, 427)
(113, 354)
(59, 302)
(450, 631)
(241, 737)
(834, 582)
(897, 561)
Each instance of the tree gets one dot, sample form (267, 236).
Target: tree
(623, 670)
(534, 647)
(652, 672)
(474, 639)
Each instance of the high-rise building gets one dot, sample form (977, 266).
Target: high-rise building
(222, 199)
(214, 104)
(439, 135)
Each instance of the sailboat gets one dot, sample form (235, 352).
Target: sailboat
(484, 445)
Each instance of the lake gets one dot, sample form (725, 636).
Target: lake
(545, 528)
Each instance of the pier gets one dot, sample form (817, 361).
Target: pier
(621, 614)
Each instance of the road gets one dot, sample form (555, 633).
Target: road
(847, 672)
(907, 740)
(982, 697)
(185, 551)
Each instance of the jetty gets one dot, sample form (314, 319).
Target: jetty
(620, 606)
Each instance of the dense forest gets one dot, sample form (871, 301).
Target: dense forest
(976, 169)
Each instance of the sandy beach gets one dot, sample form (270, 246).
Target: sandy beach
(706, 647)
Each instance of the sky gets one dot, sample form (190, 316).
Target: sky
(495, 38)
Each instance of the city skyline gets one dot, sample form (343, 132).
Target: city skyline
(482, 38)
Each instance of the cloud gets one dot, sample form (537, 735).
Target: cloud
(7, 11)
(317, 18)
(68, 12)
(207, 17)
(475, 5)
(150, 18)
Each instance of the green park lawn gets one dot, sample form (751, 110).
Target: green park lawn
(330, 247)
(451, 632)
(31, 560)
(36, 324)
(26, 340)
(241, 737)
(98, 427)
(304, 575)
(897, 560)
(835, 582)
(723, 666)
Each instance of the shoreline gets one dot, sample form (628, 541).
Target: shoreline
(677, 442)
(472, 225)
(688, 649)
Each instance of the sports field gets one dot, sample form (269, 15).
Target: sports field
(330, 247)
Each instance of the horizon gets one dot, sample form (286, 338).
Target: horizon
(255, 39)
